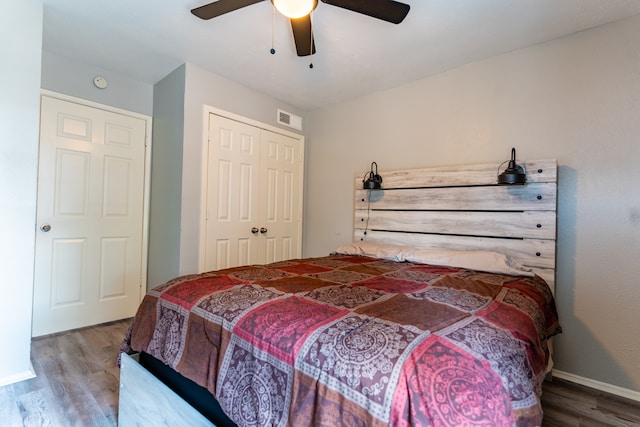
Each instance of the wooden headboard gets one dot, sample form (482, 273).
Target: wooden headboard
(463, 208)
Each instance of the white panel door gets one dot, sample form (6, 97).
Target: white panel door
(253, 195)
(90, 217)
(280, 196)
(231, 234)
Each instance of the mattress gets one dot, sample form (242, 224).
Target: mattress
(355, 341)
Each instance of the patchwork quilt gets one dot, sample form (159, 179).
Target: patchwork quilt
(356, 341)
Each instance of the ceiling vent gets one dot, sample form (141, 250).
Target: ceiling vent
(290, 120)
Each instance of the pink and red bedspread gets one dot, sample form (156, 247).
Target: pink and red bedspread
(356, 341)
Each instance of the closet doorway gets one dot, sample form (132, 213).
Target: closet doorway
(253, 194)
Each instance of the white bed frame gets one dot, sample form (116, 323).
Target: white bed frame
(464, 208)
(145, 401)
(458, 207)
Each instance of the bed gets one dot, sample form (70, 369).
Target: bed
(438, 313)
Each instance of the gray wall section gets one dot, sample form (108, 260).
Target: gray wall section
(75, 78)
(166, 179)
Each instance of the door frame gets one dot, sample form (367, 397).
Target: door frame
(147, 173)
(208, 109)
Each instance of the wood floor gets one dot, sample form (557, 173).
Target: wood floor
(77, 385)
(77, 381)
(570, 404)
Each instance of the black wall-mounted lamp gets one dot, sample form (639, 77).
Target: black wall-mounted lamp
(514, 174)
(373, 181)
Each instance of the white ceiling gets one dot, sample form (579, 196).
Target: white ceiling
(356, 55)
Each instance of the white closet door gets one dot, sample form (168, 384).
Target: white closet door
(89, 245)
(232, 194)
(253, 195)
(280, 196)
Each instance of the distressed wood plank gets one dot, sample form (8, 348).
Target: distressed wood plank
(145, 400)
(534, 225)
(475, 174)
(538, 197)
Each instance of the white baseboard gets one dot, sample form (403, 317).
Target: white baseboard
(21, 376)
(598, 385)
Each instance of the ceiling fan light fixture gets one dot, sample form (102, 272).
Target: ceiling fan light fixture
(295, 8)
(299, 13)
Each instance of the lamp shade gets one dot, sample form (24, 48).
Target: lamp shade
(295, 8)
(514, 174)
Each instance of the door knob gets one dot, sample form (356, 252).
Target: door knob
(263, 230)
(45, 227)
(254, 230)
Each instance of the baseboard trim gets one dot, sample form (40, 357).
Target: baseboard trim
(598, 385)
(21, 376)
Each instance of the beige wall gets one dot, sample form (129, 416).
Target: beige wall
(576, 99)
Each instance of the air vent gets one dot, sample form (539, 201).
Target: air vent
(290, 120)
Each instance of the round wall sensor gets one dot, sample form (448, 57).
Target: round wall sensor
(100, 82)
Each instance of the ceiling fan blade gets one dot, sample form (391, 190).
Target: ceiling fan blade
(387, 10)
(303, 36)
(221, 7)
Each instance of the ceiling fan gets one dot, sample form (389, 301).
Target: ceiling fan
(386, 10)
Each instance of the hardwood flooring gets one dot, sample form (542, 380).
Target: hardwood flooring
(567, 404)
(78, 383)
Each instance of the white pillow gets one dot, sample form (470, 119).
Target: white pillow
(489, 261)
(375, 250)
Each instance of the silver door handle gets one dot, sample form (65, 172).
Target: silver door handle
(45, 227)
(254, 230)
(263, 230)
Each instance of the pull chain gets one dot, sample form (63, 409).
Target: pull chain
(273, 33)
(311, 47)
